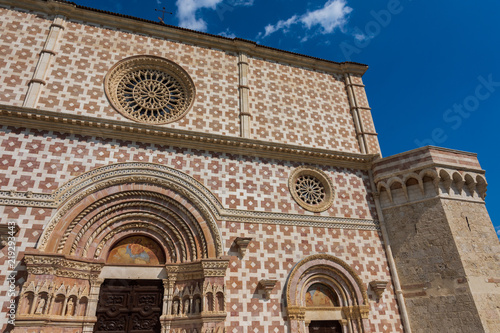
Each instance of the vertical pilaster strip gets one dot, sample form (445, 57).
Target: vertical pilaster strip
(355, 114)
(46, 55)
(390, 258)
(244, 93)
(90, 316)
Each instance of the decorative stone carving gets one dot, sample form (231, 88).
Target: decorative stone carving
(149, 89)
(267, 286)
(378, 287)
(6, 231)
(60, 266)
(242, 244)
(311, 188)
(40, 308)
(445, 181)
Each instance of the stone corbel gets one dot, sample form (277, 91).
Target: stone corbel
(242, 244)
(378, 287)
(6, 231)
(267, 286)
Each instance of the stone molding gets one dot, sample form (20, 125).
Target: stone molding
(146, 133)
(198, 270)
(160, 30)
(176, 180)
(446, 183)
(59, 265)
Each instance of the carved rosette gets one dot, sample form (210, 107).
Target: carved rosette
(311, 188)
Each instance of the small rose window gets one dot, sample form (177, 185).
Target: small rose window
(311, 189)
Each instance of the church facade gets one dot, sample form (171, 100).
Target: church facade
(157, 179)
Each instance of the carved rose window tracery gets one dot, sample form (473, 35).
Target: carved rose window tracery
(149, 89)
(311, 189)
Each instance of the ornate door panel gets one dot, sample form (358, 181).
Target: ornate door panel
(131, 306)
(325, 327)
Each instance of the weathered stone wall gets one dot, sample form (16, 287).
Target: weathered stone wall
(479, 249)
(432, 276)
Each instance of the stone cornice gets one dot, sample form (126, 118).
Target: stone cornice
(90, 126)
(60, 265)
(127, 23)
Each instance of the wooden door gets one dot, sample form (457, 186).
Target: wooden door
(330, 326)
(129, 306)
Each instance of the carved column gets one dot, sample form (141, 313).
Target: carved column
(244, 93)
(345, 327)
(306, 323)
(35, 303)
(65, 304)
(95, 288)
(167, 298)
(50, 302)
(48, 52)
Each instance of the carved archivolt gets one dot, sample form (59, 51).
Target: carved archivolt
(121, 197)
(443, 181)
(149, 89)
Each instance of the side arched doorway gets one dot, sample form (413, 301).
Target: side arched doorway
(128, 239)
(324, 295)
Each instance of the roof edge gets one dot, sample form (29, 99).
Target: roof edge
(73, 11)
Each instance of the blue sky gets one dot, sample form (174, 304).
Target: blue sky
(434, 75)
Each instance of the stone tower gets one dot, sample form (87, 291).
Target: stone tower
(443, 242)
(156, 179)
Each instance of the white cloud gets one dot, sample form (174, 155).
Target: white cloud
(187, 10)
(360, 36)
(332, 15)
(186, 13)
(281, 25)
(241, 2)
(227, 34)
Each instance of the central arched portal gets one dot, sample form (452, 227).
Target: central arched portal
(326, 326)
(130, 250)
(129, 306)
